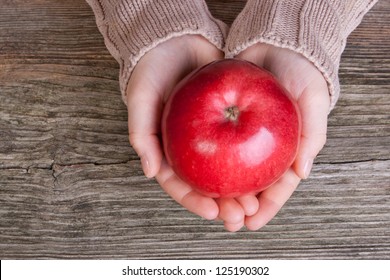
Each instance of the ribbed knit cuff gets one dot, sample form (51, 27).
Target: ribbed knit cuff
(133, 27)
(316, 29)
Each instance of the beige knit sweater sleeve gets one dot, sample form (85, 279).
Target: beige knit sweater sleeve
(317, 29)
(132, 27)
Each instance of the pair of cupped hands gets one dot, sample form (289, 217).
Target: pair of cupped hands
(153, 80)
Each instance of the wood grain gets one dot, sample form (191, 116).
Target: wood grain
(72, 187)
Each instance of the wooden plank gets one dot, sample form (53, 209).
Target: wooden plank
(72, 187)
(111, 210)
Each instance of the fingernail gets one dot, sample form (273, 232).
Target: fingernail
(145, 166)
(307, 168)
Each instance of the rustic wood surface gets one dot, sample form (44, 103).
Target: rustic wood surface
(72, 187)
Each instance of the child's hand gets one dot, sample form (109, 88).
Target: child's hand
(151, 82)
(307, 85)
(163, 67)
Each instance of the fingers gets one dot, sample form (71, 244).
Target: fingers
(272, 199)
(314, 108)
(233, 210)
(227, 209)
(234, 227)
(182, 193)
(249, 203)
(230, 210)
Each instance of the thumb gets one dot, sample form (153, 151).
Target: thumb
(314, 108)
(149, 84)
(144, 110)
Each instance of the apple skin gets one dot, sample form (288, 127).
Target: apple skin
(229, 128)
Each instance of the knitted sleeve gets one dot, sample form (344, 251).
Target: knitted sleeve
(132, 27)
(316, 29)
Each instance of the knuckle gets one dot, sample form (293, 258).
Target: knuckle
(135, 142)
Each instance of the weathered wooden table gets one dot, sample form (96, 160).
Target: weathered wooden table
(72, 187)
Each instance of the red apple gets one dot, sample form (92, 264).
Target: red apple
(229, 128)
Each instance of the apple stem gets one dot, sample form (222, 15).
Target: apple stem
(231, 113)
